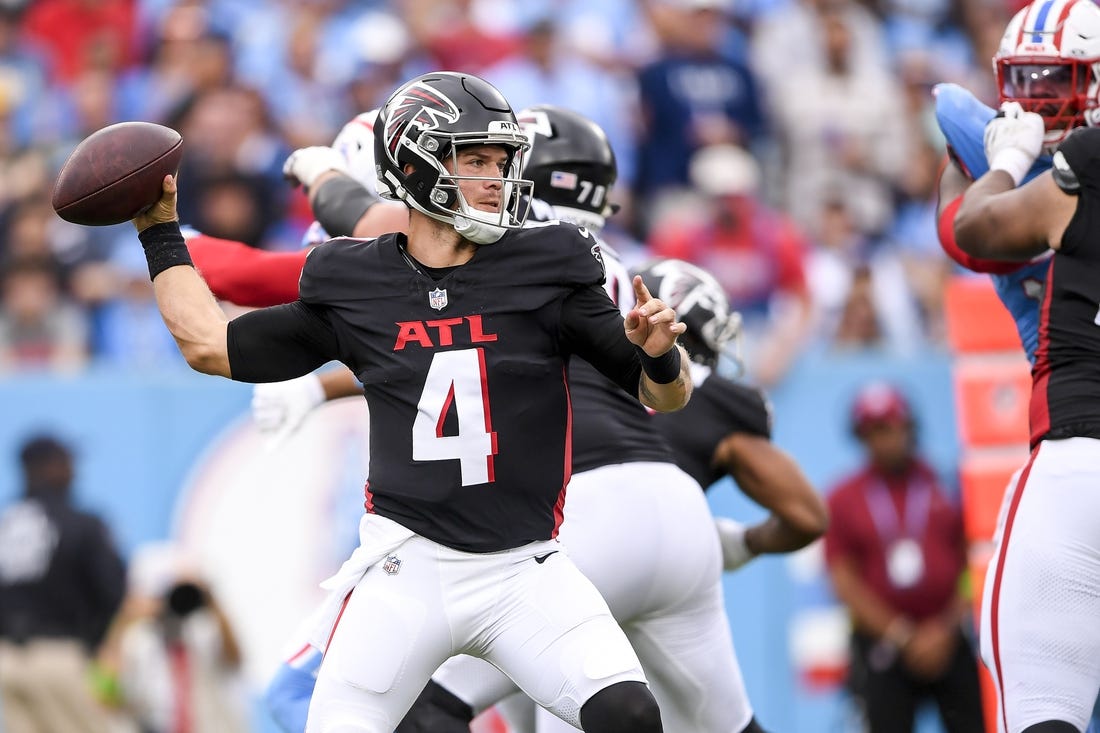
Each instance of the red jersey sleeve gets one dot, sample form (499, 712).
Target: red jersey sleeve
(245, 275)
(946, 229)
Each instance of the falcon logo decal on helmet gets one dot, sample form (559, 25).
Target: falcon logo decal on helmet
(422, 105)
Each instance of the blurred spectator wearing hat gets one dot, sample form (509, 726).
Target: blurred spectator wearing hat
(757, 254)
(171, 652)
(61, 581)
(895, 552)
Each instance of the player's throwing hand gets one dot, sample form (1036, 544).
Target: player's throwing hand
(164, 210)
(651, 325)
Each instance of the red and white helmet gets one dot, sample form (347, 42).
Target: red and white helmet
(879, 402)
(1049, 62)
(356, 143)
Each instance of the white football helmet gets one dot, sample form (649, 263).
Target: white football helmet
(356, 143)
(1049, 62)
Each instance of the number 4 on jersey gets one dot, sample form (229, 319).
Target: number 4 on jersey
(456, 381)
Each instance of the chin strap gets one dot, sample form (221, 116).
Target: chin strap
(477, 231)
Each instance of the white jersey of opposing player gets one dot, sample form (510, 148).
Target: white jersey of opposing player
(356, 143)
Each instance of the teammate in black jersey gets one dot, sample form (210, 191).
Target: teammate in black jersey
(1039, 631)
(726, 429)
(463, 351)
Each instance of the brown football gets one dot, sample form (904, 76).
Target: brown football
(116, 173)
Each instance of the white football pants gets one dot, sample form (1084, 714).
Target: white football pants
(644, 535)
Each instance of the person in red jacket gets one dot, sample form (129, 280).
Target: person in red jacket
(895, 551)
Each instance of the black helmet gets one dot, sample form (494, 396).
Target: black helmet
(429, 119)
(700, 303)
(571, 163)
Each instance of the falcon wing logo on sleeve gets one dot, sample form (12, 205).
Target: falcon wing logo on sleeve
(421, 105)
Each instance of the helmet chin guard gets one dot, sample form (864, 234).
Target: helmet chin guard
(427, 122)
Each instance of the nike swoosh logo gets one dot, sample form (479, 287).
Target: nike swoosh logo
(540, 559)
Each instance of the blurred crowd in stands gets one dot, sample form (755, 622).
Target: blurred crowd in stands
(788, 146)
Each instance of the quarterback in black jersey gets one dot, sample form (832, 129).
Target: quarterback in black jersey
(1041, 601)
(463, 350)
(628, 505)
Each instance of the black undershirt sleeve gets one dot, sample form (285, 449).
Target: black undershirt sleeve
(592, 328)
(340, 203)
(279, 343)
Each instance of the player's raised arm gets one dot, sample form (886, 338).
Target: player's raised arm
(988, 222)
(188, 307)
(267, 345)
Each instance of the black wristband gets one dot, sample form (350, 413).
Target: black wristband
(164, 247)
(661, 369)
(339, 203)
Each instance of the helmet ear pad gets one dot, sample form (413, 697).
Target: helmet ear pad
(420, 180)
(423, 182)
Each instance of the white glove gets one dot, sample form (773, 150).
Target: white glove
(735, 552)
(305, 165)
(1014, 140)
(279, 408)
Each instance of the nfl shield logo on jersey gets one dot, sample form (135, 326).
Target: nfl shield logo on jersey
(437, 299)
(392, 565)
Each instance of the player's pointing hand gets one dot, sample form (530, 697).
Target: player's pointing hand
(651, 325)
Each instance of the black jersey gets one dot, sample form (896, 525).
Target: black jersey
(610, 426)
(718, 408)
(465, 376)
(63, 579)
(1065, 398)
